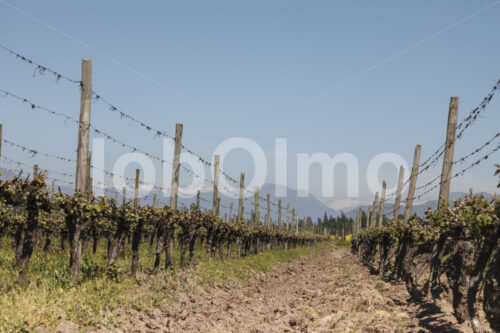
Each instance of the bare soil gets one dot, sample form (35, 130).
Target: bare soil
(328, 291)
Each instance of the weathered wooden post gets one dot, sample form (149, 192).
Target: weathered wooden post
(268, 215)
(413, 182)
(279, 214)
(360, 221)
(137, 232)
(154, 201)
(84, 127)
(176, 166)
(256, 220)
(35, 170)
(397, 202)
(88, 185)
(444, 189)
(198, 194)
(1, 139)
(136, 188)
(368, 216)
(373, 218)
(381, 209)
(240, 203)
(231, 212)
(124, 190)
(216, 185)
(297, 221)
(287, 217)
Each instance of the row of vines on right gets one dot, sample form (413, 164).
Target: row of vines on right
(452, 254)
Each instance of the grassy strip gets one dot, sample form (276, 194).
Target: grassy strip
(52, 297)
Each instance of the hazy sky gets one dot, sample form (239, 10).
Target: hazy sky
(363, 77)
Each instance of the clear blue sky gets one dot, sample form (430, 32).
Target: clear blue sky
(245, 68)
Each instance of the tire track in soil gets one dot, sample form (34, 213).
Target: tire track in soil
(328, 291)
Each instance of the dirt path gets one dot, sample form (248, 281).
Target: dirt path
(327, 291)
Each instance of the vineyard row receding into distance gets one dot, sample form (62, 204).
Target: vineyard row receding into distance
(458, 243)
(34, 216)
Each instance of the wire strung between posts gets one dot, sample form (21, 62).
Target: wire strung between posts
(34, 152)
(42, 69)
(468, 121)
(19, 172)
(460, 173)
(477, 150)
(18, 164)
(158, 133)
(108, 137)
(473, 115)
(458, 161)
(462, 159)
(123, 115)
(97, 97)
(35, 106)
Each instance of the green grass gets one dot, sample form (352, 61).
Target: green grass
(51, 296)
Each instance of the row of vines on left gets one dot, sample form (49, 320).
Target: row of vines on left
(31, 214)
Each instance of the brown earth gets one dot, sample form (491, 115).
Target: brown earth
(326, 291)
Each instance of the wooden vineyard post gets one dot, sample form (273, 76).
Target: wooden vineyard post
(1, 139)
(137, 232)
(292, 224)
(360, 221)
(381, 209)
(268, 215)
(154, 201)
(84, 127)
(373, 218)
(413, 182)
(136, 188)
(444, 189)
(35, 170)
(397, 203)
(279, 214)
(368, 216)
(231, 212)
(256, 219)
(176, 166)
(198, 199)
(124, 189)
(287, 217)
(216, 186)
(297, 222)
(355, 225)
(88, 179)
(240, 202)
